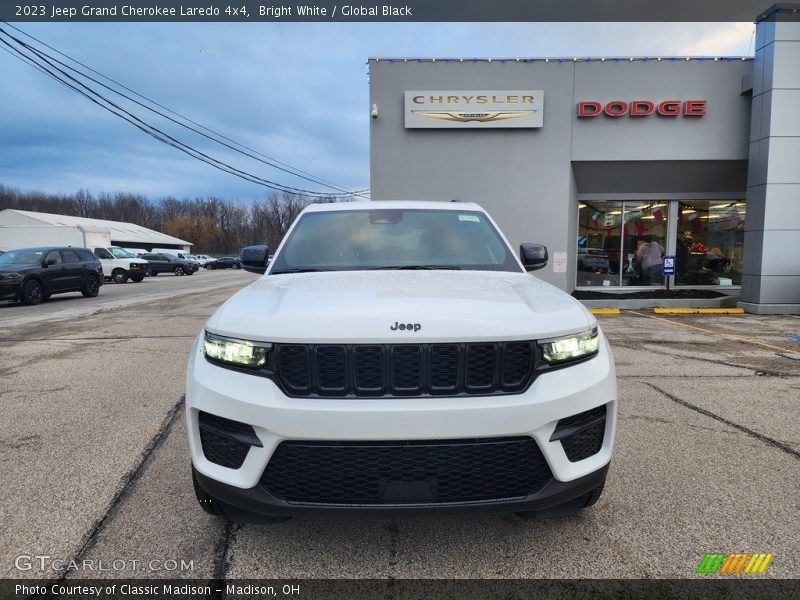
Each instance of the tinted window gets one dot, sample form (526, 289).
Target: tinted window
(102, 253)
(54, 255)
(70, 256)
(85, 255)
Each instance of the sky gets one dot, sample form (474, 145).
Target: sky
(271, 86)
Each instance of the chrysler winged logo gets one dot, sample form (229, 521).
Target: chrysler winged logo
(481, 117)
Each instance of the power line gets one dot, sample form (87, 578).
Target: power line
(291, 170)
(228, 168)
(157, 133)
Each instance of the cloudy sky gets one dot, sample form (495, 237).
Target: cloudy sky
(271, 86)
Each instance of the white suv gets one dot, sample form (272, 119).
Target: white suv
(396, 357)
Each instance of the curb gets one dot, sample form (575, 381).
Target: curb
(699, 311)
(604, 311)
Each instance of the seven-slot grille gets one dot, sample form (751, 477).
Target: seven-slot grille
(332, 370)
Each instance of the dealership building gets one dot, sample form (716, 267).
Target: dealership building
(625, 168)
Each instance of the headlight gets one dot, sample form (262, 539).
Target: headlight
(570, 347)
(236, 352)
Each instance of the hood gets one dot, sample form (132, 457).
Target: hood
(370, 306)
(16, 267)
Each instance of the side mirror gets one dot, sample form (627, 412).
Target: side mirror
(50, 261)
(533, 256)
(254, 258)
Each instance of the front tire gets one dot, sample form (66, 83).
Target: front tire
(179, 271)
(119, 276)
(32, 292)
(137, 278)
(91, 288)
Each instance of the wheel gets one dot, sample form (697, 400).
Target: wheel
(32, 292)
(190, 272)
(212, 506)
(137, 278)
(179, 271)
(567, 509)
(119, 276)
(91, 288)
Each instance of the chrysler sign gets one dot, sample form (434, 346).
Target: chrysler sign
(642, 108)
(474, 109)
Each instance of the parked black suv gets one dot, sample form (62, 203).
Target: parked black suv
(32, 275)
(164, 263)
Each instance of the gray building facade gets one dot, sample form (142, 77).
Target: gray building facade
(634, 159)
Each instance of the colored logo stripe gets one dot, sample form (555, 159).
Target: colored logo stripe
(711, 562)
(735, 563)
(758, 563)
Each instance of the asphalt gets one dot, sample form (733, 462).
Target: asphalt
(95, 465)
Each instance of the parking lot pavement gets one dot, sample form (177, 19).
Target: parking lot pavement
(82, 398)
(95, 463)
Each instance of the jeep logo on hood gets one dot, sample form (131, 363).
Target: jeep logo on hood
(405, 326)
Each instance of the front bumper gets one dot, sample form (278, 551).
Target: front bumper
(275, 418)
(258, 501)
(10, 290)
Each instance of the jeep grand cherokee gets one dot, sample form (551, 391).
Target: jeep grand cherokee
(397, 357)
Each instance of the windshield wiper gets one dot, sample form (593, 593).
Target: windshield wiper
(302, 270)
(416, 268)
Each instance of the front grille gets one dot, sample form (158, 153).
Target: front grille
(582, 435)
(418, 472)
(225, 442)
(333, 370)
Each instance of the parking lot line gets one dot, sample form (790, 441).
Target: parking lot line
(728, 336)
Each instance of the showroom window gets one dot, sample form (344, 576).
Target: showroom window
(622, 243)
(710, 243)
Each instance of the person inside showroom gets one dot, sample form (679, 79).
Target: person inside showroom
(648, 255)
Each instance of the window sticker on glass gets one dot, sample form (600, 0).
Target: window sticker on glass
(472, 218)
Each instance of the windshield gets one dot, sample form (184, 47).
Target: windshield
(394, 239)
(22, 257)
(121, 252)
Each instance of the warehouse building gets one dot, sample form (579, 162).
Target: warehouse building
(622, 167)
(20, 228)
